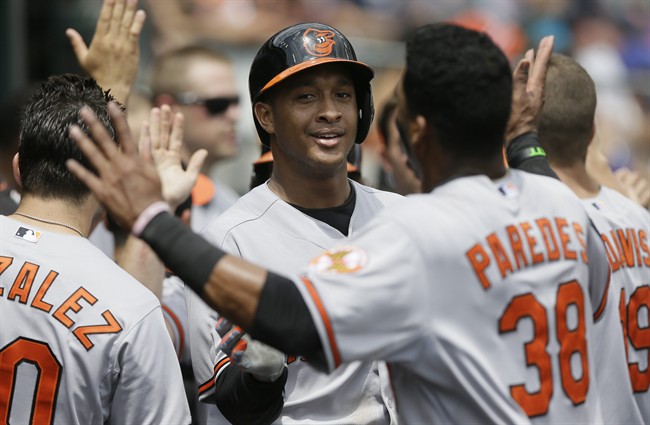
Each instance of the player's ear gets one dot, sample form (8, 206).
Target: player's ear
(418, 130)
(16, 170)
(264, 116)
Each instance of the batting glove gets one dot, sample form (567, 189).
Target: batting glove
(262, 361)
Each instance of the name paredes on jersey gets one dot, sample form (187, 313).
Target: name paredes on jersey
(525, 244)
(25, 284)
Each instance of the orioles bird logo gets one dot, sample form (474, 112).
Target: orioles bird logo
(340, 260)
(318, 42)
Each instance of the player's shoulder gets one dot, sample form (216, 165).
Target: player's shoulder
(247, 209)
(381, 196)
(617, 207)
(617, 198)
(121, 289)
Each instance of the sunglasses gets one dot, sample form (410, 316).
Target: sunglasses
(214, 105)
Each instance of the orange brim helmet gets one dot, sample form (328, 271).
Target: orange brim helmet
(301, 47)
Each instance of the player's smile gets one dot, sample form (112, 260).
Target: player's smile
(329, 138)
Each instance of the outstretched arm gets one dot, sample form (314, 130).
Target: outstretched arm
(268, 306)
(113, 56)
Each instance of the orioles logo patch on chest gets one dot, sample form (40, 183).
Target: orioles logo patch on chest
(318, 42)
(346, 259)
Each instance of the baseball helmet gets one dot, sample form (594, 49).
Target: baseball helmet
(303, 46)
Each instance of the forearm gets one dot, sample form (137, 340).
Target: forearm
(142, 263)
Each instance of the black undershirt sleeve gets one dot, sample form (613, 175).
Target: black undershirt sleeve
(525, 153)
(242, 399)
(283, 320)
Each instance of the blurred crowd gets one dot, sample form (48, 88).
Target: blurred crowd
(611, 39)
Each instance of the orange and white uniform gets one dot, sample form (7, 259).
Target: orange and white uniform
(81, 342)
(624, 227)
(268, 231)
(480, 295)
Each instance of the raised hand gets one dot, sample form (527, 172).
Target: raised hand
(113, 55)
(126, 183)
(162, 138)
(528, 90)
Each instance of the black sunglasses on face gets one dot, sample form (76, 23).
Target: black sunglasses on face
(214, 105)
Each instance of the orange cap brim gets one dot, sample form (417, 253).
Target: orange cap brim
(310, 63)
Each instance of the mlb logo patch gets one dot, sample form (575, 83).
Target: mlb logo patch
(509, 190)
(30, 235)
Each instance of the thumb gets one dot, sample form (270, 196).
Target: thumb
(196, 162)
(521, 72)
(78, 46)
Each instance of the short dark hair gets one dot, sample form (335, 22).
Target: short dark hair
(461, 82)
(567, 119)
(45, 144)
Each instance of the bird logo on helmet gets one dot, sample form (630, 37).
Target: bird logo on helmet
(301, 47)
(318, 43)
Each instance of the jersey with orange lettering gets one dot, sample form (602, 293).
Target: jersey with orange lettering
(81, 342)
(263, 228)
(624, 227)
(483, 313)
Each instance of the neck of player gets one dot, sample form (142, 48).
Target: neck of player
(576, 177)
(80, 216)
(311, 191)
(449, 167)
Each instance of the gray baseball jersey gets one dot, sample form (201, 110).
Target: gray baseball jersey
(624, 227)
(175, 310)
(480, 295)
(266, 230)
(81, 342)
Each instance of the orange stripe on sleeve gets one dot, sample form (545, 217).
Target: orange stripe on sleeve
(210, 382)
(181, 334)
(326, 321)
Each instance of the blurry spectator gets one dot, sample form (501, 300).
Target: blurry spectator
(200, 83)
(180, 23)
(619, 116)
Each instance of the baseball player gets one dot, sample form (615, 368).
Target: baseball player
(76, 331)
(480, 294)
(566, 130)
(307, 111)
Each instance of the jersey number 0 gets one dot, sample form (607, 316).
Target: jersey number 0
(39, 354)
